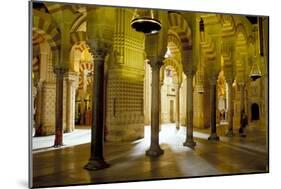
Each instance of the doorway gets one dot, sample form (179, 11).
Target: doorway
(255, 112)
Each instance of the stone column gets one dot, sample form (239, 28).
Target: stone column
(246, 98)
(242, 102)
(178, 107)
(33, 107)
(70, 104)
(229, 108)
(189, 110)
(155, 149)
(59, 107)
(213, 88)
(160, 105)
(96, 160)
(38, 105)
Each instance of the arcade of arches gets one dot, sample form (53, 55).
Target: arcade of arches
(90, 68)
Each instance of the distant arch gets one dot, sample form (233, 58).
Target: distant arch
(255, 112)
(178, 24)
(43, 25)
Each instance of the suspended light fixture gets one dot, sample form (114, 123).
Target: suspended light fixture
(200, 88)
(145, 20)
(202, 30)
(255, 71)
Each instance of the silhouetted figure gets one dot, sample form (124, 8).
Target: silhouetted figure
(243, 123)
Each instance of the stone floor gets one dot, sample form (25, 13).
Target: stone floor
(128, 161)
(81, 135)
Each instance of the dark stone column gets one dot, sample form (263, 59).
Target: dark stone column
(242, 98)
(96, 160)
(59, 107)
(189, 110)
(230, 109)
(160, 104)
(155, 149)
(178, 107)
(38, 110)
(213, 99)
(243, 116)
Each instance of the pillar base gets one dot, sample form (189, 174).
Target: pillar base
(189, 143)
(229, 133)
(69, 130)
(156, 151)
(214, 137)
(96, 165)
(58, 145)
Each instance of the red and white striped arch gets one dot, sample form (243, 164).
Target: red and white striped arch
(179, 25)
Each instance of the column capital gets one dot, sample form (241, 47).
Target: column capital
(240, 85)
(212, 79)
(60, 71)
(70, 82)
(99, 53)
(71, 75)
(228, 72)
(189, 73)
(155, 63)
(229, 80)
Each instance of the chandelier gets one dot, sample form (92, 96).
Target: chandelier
(202, 30)
(255, 71)
(145, 21)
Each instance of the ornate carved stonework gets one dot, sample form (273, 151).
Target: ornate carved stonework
(47, 126)
(125, 116)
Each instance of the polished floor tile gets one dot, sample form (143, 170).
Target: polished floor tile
(128, 161)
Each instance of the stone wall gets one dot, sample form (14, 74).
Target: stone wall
(125, 84)
(125, 115)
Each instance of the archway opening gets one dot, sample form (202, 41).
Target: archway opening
(169, 94)
(222, 98)
(82, 63)
(255, 112)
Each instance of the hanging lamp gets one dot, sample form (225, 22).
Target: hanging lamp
(202, 30)
(145, 21)
(255, 71)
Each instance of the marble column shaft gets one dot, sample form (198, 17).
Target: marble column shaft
(178, 107)
(230, 108)
(97, 136)
(242, 105)
(160, 104)
(213, 108)
(38, 110)
(59, 107)
(155, 149)
(189, 110)
(69, 107)
(242, 102)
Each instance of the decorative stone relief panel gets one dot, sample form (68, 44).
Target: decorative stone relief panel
(48, 108)
(125, 87)
(125, 114)
(198, 107)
